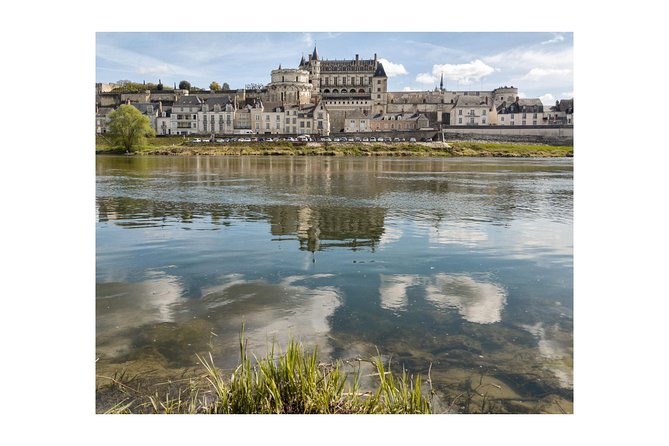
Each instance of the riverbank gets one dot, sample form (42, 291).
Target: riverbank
(179, 146)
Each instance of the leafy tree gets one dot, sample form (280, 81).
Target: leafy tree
(226, 86)
(214, 86)
(159, 87)
(129, 127)
(184, 85)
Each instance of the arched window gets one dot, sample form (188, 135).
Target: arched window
(327, 90)
(361, 90)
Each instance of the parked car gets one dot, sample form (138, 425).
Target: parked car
(428, 139)
(388, 139)
(412, 139)
(372, 139)
(396, 140)
(351, 140)
(197, 140)
(326, 139)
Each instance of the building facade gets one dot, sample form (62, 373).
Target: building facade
(321, 96)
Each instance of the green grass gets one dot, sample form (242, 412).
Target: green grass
(293, 381)
(178, 145)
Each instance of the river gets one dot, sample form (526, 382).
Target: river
(460, 267)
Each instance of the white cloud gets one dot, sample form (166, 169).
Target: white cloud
(521, 57)
(409, 89)
(536, 74)
(464, 73)
(307, 39)
(556, 39)
(426, 78)
(393, 69)
(567, 95)
(522, 95)
(162, 68)
(547, 99)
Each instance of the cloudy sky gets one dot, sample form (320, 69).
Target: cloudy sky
(539, 64)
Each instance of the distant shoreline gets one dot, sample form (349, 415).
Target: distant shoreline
(430, 149)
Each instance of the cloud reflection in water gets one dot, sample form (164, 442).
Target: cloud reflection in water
(477, 301)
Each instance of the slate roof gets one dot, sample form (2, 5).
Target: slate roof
(469, 101)
(380, 72)
(188, 100)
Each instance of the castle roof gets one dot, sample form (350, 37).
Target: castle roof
(380, 72)
(315, 55)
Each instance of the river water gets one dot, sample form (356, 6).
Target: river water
(460, 267)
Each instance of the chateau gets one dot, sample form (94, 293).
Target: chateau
(322, 96)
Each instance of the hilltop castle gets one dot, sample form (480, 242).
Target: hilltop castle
(322, 96)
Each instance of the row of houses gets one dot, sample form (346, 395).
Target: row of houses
(224, 114)
(191, 114)
(474, 111)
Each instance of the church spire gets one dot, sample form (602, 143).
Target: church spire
(441, 84)
(315, 55)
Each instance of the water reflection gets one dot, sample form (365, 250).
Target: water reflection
(121, 306)
(476, 301)
(456, 263)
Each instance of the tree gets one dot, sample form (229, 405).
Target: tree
(214, 86)
(226, 86)
(159, 87)
(184, 85)
(129, 127)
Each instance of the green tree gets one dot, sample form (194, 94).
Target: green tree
(214, 86)
(184, 85)
(129, 127)
(226, 86)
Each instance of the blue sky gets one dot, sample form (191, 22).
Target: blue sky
(539, 64)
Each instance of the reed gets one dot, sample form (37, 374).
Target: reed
(290, 382)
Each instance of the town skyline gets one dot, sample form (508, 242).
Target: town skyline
(538, 64)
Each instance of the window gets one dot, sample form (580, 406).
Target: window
(460, 112)
(459, 120)
(483, 112)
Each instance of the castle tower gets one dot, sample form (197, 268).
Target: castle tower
(379, 88)
(290, 86)
(314, 68)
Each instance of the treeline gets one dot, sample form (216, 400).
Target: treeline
(126, 86)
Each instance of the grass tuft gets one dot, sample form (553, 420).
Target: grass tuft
(287, 382)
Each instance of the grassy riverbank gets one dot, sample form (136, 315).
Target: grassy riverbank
(290, 382)
(180, 146)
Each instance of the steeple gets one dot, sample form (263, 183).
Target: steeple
(314, 56)
(302, 61)
(441, 84)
